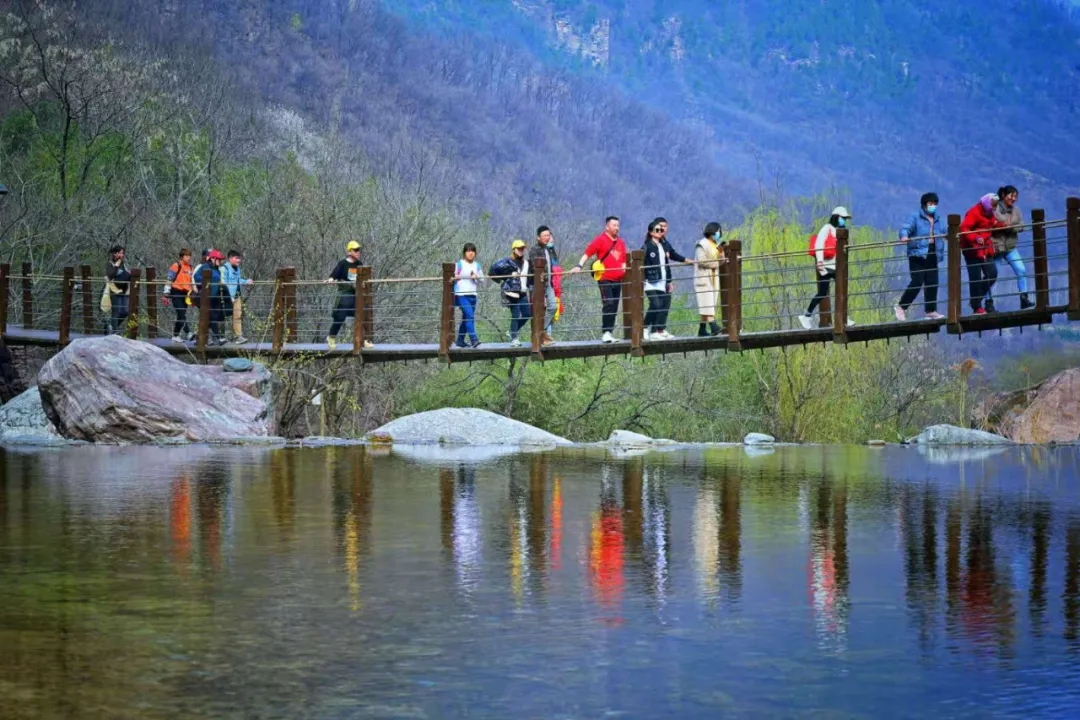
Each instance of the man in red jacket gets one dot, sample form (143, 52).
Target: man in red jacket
(610, 250)
(978, 249)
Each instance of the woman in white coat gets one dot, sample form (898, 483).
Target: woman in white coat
(708, 257)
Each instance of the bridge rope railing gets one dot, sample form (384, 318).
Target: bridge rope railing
(756, 296)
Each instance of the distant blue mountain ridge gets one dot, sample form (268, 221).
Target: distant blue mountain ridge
(886, 98)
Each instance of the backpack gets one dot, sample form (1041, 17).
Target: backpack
(829, 251)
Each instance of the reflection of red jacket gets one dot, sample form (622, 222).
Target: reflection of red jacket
(977, 225)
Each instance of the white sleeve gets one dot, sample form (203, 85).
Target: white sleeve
(819, 243)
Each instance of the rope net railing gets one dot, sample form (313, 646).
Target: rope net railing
(775, 292)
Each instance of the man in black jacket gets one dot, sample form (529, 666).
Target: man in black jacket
(659, 255)
(544, 249)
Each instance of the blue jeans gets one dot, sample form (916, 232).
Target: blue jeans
(520, 312)
(467, 303)
(1017, 264)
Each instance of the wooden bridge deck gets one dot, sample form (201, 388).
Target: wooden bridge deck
(395, 352)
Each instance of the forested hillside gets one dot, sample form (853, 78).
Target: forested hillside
(284, 128)
(887, 97)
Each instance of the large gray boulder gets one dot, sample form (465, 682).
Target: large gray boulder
(109, 389)
(952, 435)
(756, 438)
(463, 426)
(23, 421)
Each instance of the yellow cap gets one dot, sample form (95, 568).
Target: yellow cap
(353, 245)
(516, 244)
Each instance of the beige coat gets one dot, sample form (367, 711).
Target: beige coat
(709, 257)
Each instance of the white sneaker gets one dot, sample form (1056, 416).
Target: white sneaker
(647, 335)
(331, 343)
(806, 321)
(516, 342)
(177, 339)
(850, 323)
(935, 316)
(665, 335)
(608, 338)
(899, 312)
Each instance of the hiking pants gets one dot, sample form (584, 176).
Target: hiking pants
(345, 308)
(178, 299)
(925, 277)
(982, 273)
(610, 292)
(822, 290)
(118, 317)
(520, 312)
(659, 304)
(467, 303)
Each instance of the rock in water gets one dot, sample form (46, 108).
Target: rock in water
(464, 426)
(952, 435)
(627, 439)
(24, 420)
(758, 439)
(110, 389)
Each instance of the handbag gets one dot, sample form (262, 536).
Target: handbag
(598, 264)
(106, 300)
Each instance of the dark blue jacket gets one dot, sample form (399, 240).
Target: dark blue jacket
(918, 227)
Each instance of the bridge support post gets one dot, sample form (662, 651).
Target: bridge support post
(132, 330)
(203, 334)
(369, 304)
(1072, 221)
(539, 308)
(953, 287)
(291, 321)
(28, 295)
(87, 300)
(1042, 266)
(277, 314)
(151, 303)
(840, 287)
(5, 288)
(637, 309)
(363, 277)
(733, 270)
(66, 292)
(446, 314)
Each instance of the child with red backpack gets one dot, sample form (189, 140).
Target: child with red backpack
(823, 250)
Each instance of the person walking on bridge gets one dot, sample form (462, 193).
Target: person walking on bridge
(218, 293)
(823, 249)
(978, 248)
(1005, 239)
(344, 276)
(544, 249)
(234, 281)
(659, 255)
(608, 270)
(117, 297)
(467, 276)
(177, 291)
(709, 258)
(512, 273)
(924, 233)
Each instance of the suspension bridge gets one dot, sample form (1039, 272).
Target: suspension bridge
(404, 319)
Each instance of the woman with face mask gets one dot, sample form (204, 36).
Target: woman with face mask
(924, 233)
(823, 248)
(708, 257)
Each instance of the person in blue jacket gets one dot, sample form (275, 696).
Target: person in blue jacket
(234, 280)
(925, 234)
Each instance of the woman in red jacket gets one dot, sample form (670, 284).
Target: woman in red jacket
(978, 249)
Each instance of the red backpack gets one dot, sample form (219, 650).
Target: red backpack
(830, 246)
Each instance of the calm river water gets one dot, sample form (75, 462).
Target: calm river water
(342, 583)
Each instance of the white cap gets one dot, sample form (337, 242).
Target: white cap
(841, 211)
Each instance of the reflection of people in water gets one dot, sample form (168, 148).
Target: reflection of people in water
(606, 542)
(466, 542)
(1071, 595)
(829, 565)
(180, 520)
(647, 527)
(352, 507)
(918, 529)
